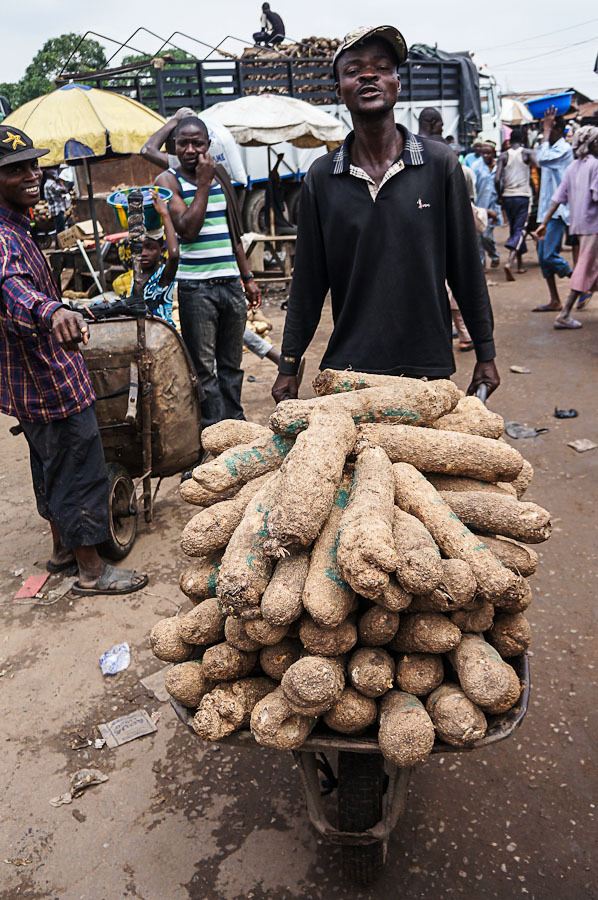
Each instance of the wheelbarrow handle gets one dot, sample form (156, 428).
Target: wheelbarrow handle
(482, 392)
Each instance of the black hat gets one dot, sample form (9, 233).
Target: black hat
(16, 147)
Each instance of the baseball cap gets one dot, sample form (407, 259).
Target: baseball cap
(16, 146)
(387, 32)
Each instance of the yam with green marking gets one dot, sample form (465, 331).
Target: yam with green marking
(510, 634)
(276, 658)
(274, 723)
(352, 713)
(406, 400)
(243, 463)
(309, 478)
(412, 390)
(166, 642)
(246, 567)
(406, 732)
(192, 492)
(447, 452)
(419, 566)
(282, 600)
(484, 677)
(415, 495)
(366, 551)
(455, 591)
(371, 671)
(223, 662)
(326, 595)
(516, 557)
(425, 633)
(471, 416)
(203, 625)
(457, 720)
(501, 515)
(198, 581)
(212, 528)
(331, 641)
(187, 683)
(231, 433)
(313, 684)
(228, 707)
(419, 673)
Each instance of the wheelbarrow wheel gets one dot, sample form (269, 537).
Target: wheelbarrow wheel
(360, 790)
(122, 522)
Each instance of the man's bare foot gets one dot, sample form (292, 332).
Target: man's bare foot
(509, 272)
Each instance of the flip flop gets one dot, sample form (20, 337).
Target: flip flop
(68, 568)
(563, 326)
(112, 581)
(464, 348)
(546, 308)
(584, 300)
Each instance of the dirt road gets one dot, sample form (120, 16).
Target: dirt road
(180, 821)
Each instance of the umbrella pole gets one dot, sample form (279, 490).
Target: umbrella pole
(94, 219)
(272, 229)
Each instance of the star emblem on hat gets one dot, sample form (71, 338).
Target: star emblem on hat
(15, 139)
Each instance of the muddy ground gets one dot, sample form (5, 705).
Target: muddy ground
(180, 821)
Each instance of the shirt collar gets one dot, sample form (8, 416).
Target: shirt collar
(16, 219)
(413, 153)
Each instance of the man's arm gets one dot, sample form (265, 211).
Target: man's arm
(466, 280)
(308, 290)
(152, 149)
(499, 170)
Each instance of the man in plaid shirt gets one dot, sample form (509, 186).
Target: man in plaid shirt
(45, 384)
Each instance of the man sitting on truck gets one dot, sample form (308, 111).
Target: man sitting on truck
(271, 28)
(384, 221)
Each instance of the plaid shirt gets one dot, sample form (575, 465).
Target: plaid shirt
(55, 196)
(39, 380)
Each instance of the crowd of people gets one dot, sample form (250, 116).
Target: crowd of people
(432, 235)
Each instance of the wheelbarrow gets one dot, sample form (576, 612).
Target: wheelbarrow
(371, 793)
(148, 410)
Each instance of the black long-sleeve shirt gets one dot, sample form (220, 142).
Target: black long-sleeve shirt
(385, 263)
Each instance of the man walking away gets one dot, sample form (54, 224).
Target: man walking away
(554, 156)
(431, 124)
(513, 186)
(212, 306)
(484, 170)
(579, 188)
(44, 383)
(271, 28)
(56, 195)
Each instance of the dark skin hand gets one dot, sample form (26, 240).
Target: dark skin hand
(69, 328)
(484, 373)
(285, 387)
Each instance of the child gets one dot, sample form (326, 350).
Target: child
(159, 274)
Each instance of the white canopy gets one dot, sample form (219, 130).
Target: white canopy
(514, 112)
(266, 119)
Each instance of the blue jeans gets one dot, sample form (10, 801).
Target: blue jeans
(213, 318)
(549, 249)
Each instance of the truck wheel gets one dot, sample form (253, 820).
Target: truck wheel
(254, 214)
(123, 523)
(360, 789)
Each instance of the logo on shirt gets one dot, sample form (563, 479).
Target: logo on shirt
(422, 205)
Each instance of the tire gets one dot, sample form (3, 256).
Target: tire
(254, 211)
(360, 790)
(123, 524)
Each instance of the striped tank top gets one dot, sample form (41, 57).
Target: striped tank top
(211, 254)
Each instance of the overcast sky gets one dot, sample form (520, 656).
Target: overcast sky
(561, 38)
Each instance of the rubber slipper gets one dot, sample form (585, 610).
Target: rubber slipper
(583, 301)
(546, 308)
(68, 568)
(112, 581)
(466, 346)
(564, 326)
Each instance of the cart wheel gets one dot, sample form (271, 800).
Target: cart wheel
(123, 524)
(360, 789)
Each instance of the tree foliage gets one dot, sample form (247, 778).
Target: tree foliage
(49, 62)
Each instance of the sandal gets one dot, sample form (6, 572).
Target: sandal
(112, 581)
(546, 308)
(571, 324)
(465, 346)
(584, 300)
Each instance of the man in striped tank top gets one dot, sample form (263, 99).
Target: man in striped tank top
(215, 286)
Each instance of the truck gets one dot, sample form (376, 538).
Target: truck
(166, 85)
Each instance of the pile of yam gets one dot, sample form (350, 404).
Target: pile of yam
(359, 567)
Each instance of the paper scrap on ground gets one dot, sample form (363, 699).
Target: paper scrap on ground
(126, 728)
(582, 445)
(117, 659)
(32, 586)
(521, 370)
(80, 781)
(155, 684)
(63, 588)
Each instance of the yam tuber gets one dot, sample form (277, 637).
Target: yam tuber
(235, 632)
(243, 463)
(419, 566)
(448, 452)
(510, 634)
(309, 478)
(457, 720)
(425, 633)
(192, 492)
(484, 677)
(462, 483)
(477, 618)
(377, 626)
(352, 712)
(455, 591)
(419, 673)
(186, 682)
(212, 528)
(204, 624)
(274, 723)
(282, 600)
(471, 416)
(223, 662)
(313, 684)
(371, 671)
(166, 642)
(524, 479)
(198, 582)
(406, 733)
(501, 515)
(277, 658)
(516, 557)
(230, 433)
(320, 641)
(228, 707)
(264, 633)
